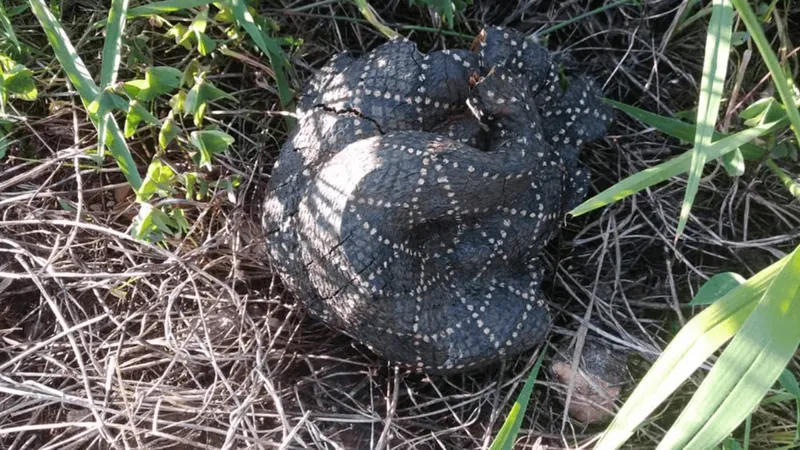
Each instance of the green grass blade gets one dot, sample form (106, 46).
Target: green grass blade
(715, 70)
(668, 169)
(113, 44)
(82, 81)
(71, 63)
(167, 6)
(696, 341)
(269, 46)
(508, 432)
(785, 178)
(8, 29)
(110, 62)
(686, 132)
(369, 14)
(771, 60)
(750, 365)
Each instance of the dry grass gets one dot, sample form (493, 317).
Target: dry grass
(106, 342)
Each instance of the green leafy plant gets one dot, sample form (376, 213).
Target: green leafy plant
(139, 100)
(16, 81)
(758, 315)
(445, 8)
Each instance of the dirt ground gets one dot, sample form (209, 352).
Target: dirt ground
(108, 342)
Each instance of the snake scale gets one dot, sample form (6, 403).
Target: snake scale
(411, 203)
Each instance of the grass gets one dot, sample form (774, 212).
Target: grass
(134, 292)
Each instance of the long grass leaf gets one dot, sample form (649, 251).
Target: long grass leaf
(9, 29)
(71, 63)
(746, 370)
(715, 70)
(269, 46)
(696, 341)
(374, 20)
(686, 131)
(667, 170)
(166, 6)
(112, 55)
(112, 47)
(81, 79)
(508, 432)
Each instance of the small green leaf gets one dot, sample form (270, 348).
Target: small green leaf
(205, 44)
(716, 287)
(208, 143)
(199, 95)
(191, 71)
(179, 221)
(4, 144)
(200, 21)
(739, 37)
(734, 163)
(163, 79)
(768, 111)
(151, 224)
(756, 108)
(189, 180)
(142, 225)
(168, 132)
(225, 15)
(181, 35)
(177, 102)
(789, 382)
(132, 120)
(157, 81)
(159, 180)
(19, 83)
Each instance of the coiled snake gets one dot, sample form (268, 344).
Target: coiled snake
(410, 205)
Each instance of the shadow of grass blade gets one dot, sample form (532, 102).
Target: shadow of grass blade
(269, 46)
(508, 432)
(82, 81)
(715, 70)
(668, 169)
(696, 341)
(747, 368)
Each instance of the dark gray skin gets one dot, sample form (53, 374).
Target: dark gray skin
(411, 204)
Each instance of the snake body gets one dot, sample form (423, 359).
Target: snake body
(410, 205)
